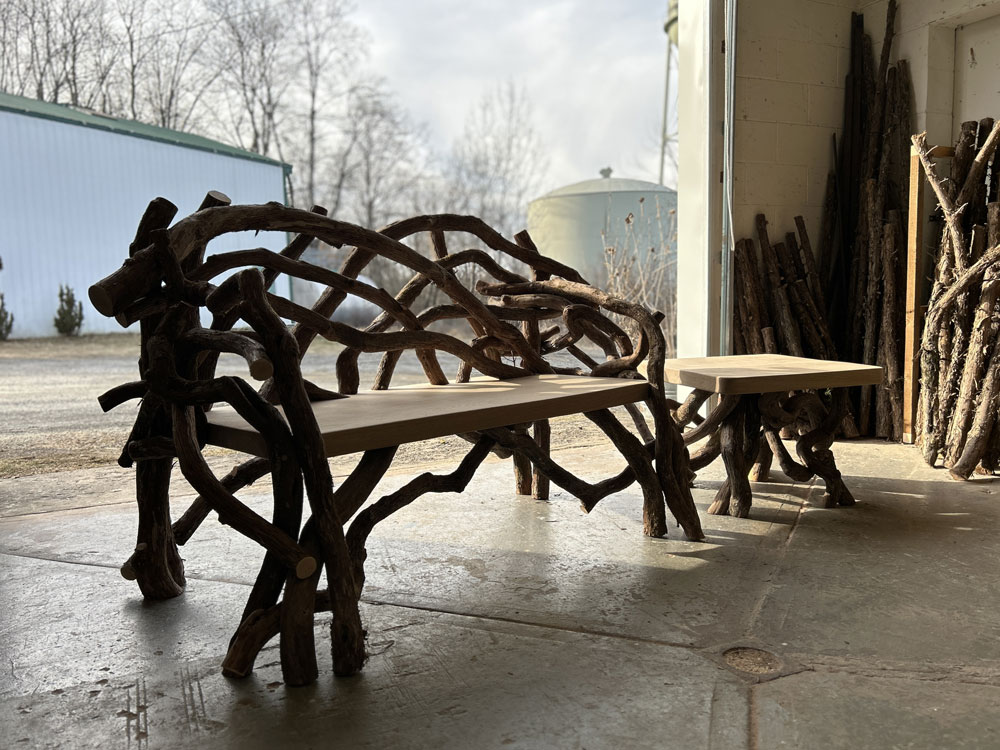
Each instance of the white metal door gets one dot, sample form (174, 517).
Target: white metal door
(977, 72)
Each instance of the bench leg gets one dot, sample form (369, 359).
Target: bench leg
(673, 469)
(286, 481)
(156, 564)
(542, 433)
(297, 645)
(347, 634)
(654, 511)
(528, 480)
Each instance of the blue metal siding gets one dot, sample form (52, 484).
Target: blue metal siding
(71, 197)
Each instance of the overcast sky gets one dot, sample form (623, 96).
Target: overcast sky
(593, 70)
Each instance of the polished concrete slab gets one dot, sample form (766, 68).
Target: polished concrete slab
(433, 680)
(843, 709)
(499, 621)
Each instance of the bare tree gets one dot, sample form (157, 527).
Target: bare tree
(327, 43)
(253, 56)
(388, 157)
(40, 49)
(122, 57)
(498, 162)
(178, 75)
(276, 77)
(14, 73)
(89, 51)
(62, 51)
(377, 168)
(133, 16)
(48, 46)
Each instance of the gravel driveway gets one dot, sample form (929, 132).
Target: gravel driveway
(52, 421)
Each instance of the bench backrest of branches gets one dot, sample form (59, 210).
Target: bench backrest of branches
(525, 313)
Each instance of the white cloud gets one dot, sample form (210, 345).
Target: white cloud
(593, 70)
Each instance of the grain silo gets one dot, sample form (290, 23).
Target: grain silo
(606, 224)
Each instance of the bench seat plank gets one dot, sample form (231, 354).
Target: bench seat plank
(766, 373)
(378, 419)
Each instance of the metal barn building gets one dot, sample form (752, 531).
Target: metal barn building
(73, 186)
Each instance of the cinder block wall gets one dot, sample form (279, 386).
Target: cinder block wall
(791, 59)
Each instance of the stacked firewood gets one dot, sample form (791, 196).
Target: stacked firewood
(779, 304)
(959, 355)
(864, 265)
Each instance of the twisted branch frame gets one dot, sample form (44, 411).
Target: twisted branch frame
(167, 279)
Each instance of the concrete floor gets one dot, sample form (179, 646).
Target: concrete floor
(498, 621)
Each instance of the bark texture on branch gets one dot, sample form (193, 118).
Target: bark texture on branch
(958, 354)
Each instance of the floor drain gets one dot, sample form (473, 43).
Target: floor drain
(752, 660)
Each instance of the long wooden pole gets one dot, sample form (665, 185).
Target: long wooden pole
(914, 284)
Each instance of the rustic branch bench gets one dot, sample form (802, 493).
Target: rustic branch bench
(762, 394)
(290, 426)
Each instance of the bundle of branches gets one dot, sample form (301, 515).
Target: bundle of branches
(959, 355)
(862, 237)
(779, 303)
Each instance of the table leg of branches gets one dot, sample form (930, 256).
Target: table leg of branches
(746, 431)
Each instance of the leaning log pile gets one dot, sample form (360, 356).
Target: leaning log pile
(779, 303)
(957, 418)
(847, 303)
(863, 264)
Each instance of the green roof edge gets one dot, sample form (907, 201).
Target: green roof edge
(61, 113)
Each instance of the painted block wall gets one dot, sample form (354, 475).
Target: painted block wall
(977, 69)
(791, 59)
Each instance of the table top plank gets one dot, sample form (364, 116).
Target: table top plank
(378, 419)
(766, 373)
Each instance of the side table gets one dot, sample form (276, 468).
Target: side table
(761, 394)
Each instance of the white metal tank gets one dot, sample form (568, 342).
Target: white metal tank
(598, 224)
